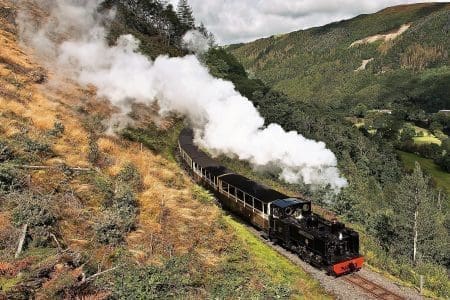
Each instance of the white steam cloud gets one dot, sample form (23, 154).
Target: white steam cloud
(196, 42)
(225, 122)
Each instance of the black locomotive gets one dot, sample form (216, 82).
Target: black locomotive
(286, 220)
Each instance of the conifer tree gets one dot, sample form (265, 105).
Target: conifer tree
(202, 29)
(184, 12)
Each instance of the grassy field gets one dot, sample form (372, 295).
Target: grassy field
(441, 178)
(426, 138)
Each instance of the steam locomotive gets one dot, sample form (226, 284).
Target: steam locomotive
(287, 221)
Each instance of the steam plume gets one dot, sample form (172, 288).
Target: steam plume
(225, 122)
(196, 42)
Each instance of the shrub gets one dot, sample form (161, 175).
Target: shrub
(11, 179)
(39, 213)
(36, 147)
(124, 198)
(94, 124)
(57, 130)
(130, 175)
(119, 217)
(34, 210)
(202, 195)
(5, 152)
(173, 280)
(432, 151)
(110, 230)
(444, 162)
(105, 186)
(94, 151)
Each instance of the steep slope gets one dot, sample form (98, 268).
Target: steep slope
(89, 202)
(407, 43)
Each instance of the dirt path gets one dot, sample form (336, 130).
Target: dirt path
(364, 64)
(382, 37)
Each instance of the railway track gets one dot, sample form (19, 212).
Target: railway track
(371, 288)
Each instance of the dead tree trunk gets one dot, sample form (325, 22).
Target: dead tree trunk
(22, 240)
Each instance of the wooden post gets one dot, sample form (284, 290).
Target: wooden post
(141, 147)
(439, 200)
(421, 284)
(22, 240)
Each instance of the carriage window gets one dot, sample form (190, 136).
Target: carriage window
(258, 205)
(240, 194)
(224, 186)
(232, 190)
(249, 200)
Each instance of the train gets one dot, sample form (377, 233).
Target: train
(287, 221)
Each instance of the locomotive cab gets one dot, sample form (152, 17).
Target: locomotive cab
(283, 214)
(290, 207)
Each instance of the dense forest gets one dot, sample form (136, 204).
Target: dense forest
(378, 120)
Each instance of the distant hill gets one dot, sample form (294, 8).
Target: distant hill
(397, 54)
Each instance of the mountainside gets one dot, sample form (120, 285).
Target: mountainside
(399, 52)
(376, 90)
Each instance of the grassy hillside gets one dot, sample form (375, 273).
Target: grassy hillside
(90, 202)
(320, 65)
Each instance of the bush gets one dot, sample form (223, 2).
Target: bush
(436, 278)
(57, 130)
(431, 151)
(11, 179)
(34, 210)
(130, 175)
(36, 147)
(175, 279)
(119, 217)
(444, 162)
(94, 151)
(124, 198)
(5, 152)
(124, 205)
(94, 124)
(110, 230)
(104, 185)
(39, 213)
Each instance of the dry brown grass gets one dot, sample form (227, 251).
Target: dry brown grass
(169, 221)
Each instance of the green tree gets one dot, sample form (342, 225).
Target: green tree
(185, 15)
(418, 226)
(407, 133)
(359, 110)
(444, 162)
(202, 29)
